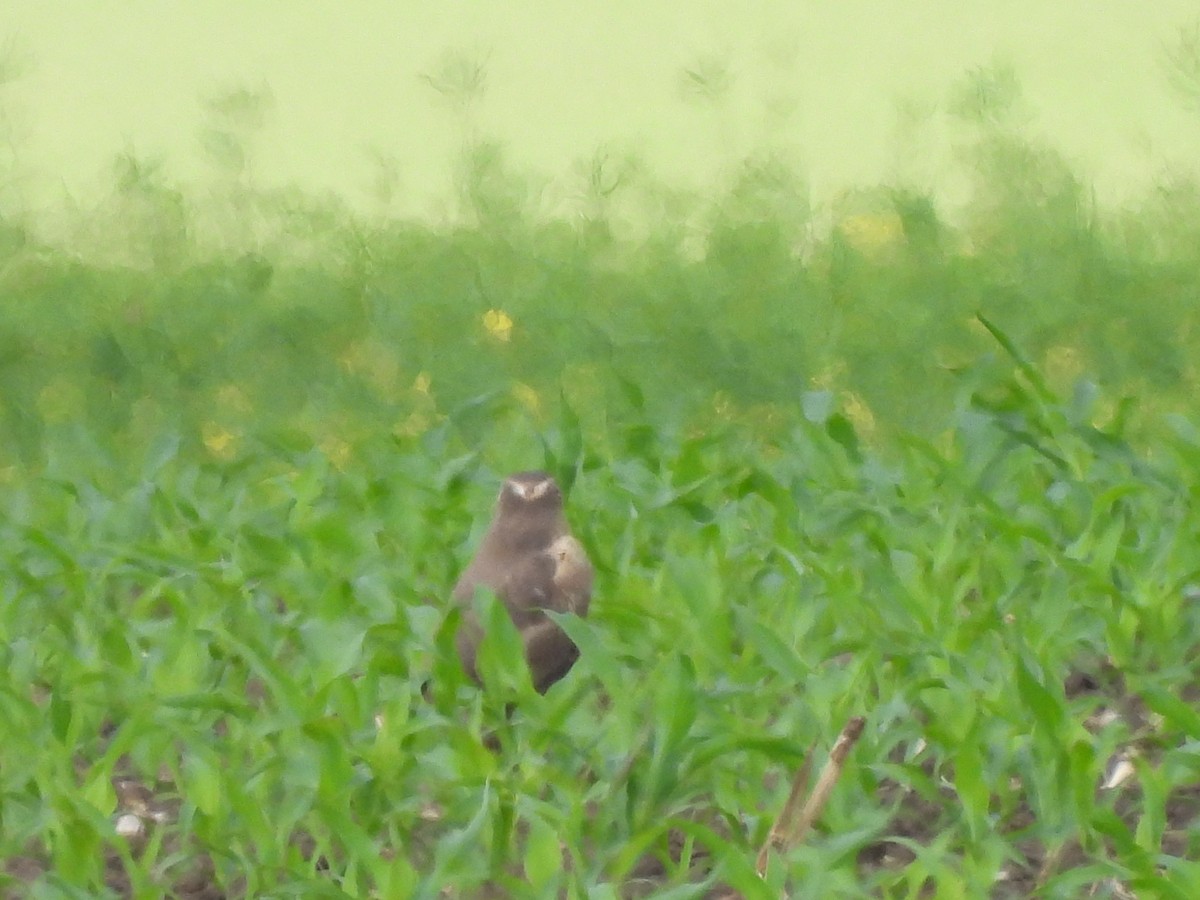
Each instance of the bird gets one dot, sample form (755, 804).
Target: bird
(530, 560)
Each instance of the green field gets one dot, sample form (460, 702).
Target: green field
(874, 460)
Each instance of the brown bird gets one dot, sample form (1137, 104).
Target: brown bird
(530, 561)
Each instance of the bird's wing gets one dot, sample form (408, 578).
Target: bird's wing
(573, 576)
(529, 588)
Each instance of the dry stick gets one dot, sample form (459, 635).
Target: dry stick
(829, 776)
(777, 838)
(791, 826)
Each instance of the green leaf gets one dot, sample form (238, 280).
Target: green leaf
(1180, 717)
(60, 714)
(335, 647)
(202, 783)
(99, 792)
(1027, 368)
(839, 428)
(1048, 709)
(500, 660)
(971, 787)
(595, 651)
(543, 856)
(459, 848)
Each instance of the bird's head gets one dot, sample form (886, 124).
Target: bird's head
(529, 512)
(527, 492)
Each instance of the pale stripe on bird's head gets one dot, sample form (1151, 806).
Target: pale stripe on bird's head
(530, 485)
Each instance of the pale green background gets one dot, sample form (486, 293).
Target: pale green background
(820, 78)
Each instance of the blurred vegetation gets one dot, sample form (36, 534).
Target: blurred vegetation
(243, 310)
(823, 457)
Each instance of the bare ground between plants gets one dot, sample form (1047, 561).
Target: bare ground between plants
(187, 871)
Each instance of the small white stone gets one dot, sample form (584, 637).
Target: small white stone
(1118, 774)
(1104, 718)
(130, 825)
(431, 812)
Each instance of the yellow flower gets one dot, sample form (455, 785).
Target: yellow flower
(527, 397)
(858, 413)
(219, 441)
(498, 324)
